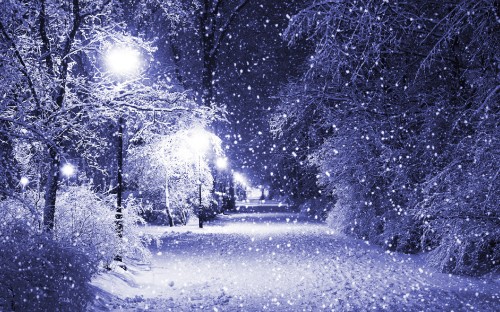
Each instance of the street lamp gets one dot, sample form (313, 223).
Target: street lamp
(199, 143)
(220, 185)
(221, 163)
(24, 181)
(68, 170)
(122, 61)
(241, 180)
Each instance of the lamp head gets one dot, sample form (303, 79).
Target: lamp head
(123, 60)
(24, 181)
(199, 140)
(68, 170)
(221, 163)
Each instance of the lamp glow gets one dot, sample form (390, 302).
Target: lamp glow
(199, 141)
(221, 163)
(24, 181)
(239, 178)
(123, 60)
(68, 170)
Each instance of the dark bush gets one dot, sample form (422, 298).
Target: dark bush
(40, 274)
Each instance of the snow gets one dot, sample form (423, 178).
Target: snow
(267, 259)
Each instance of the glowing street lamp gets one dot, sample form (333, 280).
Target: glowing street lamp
(199, 143)
(68, 170)
(221, 163)
(123, 60)
(241, 180)
(24, 181)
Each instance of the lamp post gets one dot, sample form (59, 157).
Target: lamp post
(241, 180)
(199, 143)
(123, 62)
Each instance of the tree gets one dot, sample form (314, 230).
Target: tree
(41, 43)
(167, 161)
(58, 92)
(392, 100)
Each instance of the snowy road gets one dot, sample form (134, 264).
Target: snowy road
(271, 261)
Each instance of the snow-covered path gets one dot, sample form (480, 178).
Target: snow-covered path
(272, 261)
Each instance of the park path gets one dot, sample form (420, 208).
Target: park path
(263, 258)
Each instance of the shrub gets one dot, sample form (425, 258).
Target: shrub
(465, 247)
(41, 274)
(87, 221)
(317, 209)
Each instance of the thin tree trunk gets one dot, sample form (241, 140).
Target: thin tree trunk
(167, 203)
(49, 209)
(207, 30)
(119, 184)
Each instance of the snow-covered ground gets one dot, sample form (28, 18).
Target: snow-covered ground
(266, 259)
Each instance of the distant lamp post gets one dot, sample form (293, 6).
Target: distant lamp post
(220, 182)
(199, 143)
(68, 170)
(123, 61)
(241, 180)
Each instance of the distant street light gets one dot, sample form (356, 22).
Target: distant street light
(24, 181)
(68, 170)
(242, 181)
(239, 178)
(221, 163)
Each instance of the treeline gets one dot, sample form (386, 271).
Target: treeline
(94, 134)
(394, 125)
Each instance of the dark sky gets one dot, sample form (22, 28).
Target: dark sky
(253, 66)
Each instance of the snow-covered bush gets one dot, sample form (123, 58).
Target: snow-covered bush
(38, 273)
(316, 209)
(466, 248)
(87, 221)
(22, 211)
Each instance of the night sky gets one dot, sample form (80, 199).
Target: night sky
(255, 61)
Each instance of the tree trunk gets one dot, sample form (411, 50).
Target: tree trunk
(167, 203)
(207, 31)
(119, 183)
(201, 213)
(49, 209)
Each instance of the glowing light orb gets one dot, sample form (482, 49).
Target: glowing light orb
(68, 170)
(24, 181)
(123, 60)
(221, 163)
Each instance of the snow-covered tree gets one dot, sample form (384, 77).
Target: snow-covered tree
(60, 88)
(176, 165)
(398, 103)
